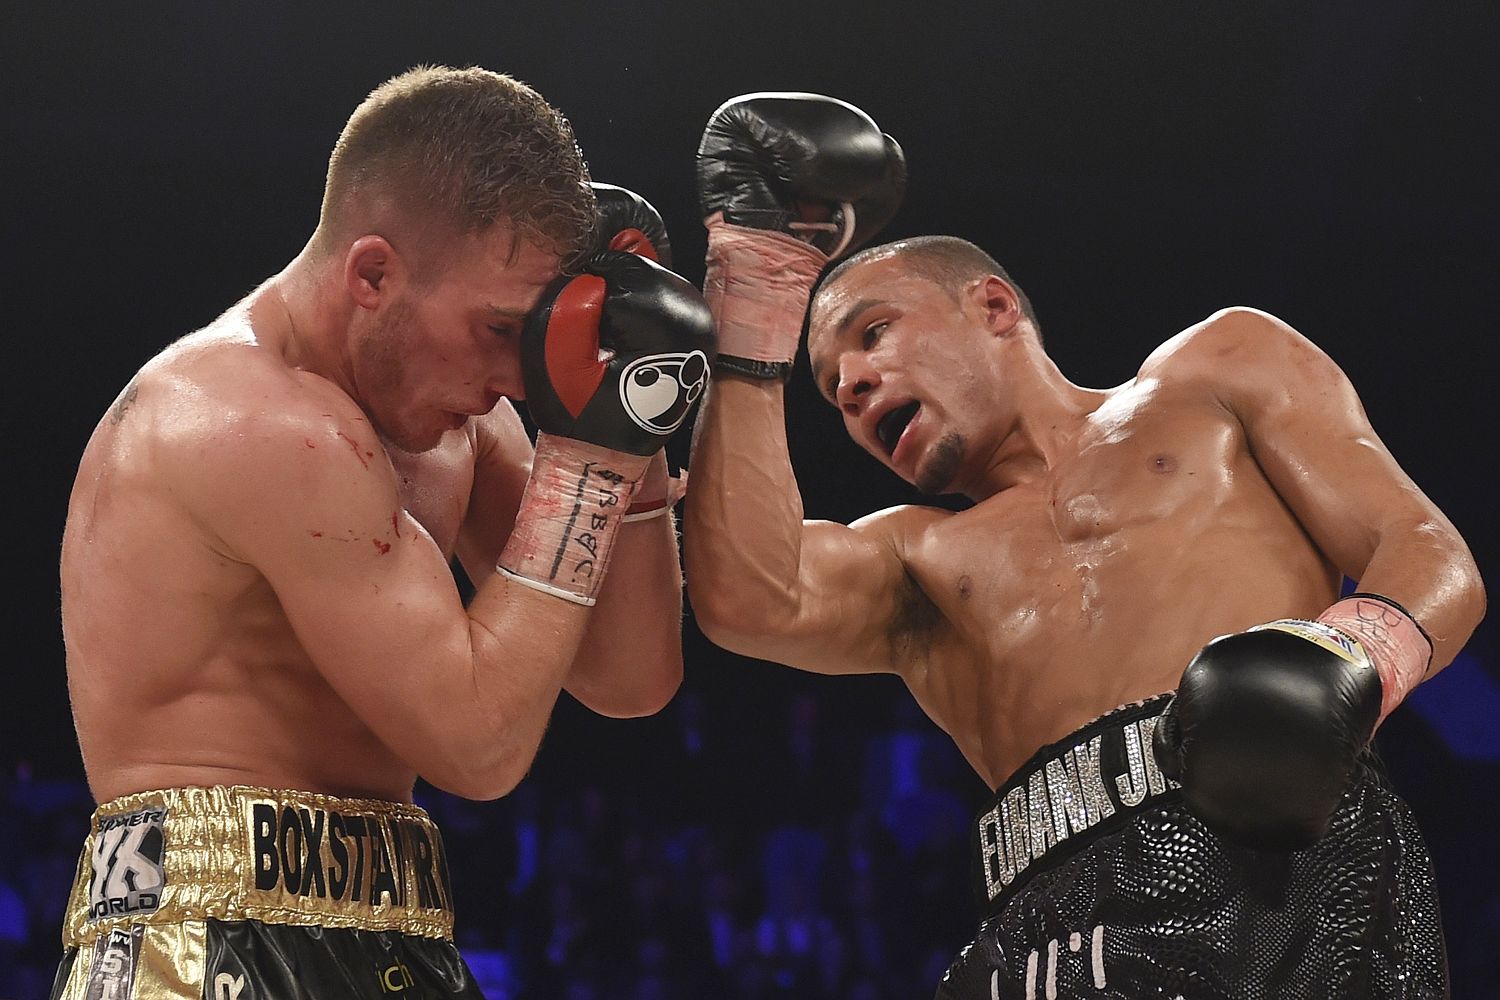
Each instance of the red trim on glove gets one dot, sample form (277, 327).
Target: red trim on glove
(634, 241)
(572, 355)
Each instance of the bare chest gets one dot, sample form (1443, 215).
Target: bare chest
(1132, 496)
(1094, 584)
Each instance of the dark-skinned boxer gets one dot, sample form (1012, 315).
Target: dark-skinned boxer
(265, 644)
(1184, 531)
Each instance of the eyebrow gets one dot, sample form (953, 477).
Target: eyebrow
(507, 313)
(850, 315)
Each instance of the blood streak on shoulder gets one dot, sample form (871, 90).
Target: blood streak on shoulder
(363, 456)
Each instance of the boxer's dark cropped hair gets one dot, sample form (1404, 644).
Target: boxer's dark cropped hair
(454, 151)
(946, 261)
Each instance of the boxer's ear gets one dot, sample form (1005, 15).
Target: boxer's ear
(370, 266)
(1000, 304)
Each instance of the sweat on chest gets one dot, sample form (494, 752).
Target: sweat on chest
(1135, 493)
(1136, 476)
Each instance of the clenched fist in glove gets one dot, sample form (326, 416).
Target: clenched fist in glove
(786, 182)
(612, 359)
(1267, 725)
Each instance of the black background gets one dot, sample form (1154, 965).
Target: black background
(1135, 165)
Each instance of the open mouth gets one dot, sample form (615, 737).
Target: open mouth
(889, 429)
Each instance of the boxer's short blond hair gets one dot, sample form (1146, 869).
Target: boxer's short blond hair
(463, 149)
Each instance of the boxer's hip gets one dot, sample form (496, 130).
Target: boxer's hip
(1095, 881)
(205, 892)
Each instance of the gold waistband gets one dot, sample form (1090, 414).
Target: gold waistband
(242, 853)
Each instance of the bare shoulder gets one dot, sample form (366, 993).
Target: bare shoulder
(231, 426)
(1238, 335)
(902, 526)
(223, 384)
(1238, 350)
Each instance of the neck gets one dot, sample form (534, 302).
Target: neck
(1047, 412)
(315, 316)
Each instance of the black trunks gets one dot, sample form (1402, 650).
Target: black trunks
(1096, 882)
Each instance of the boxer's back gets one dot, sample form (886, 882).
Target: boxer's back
(182, 668)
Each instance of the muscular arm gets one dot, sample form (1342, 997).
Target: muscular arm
(629, 661)
(1309, 433)
(765, 583)
(296, 484)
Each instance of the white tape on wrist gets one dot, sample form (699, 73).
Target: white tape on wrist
(566, 595)
(657, 493)
(648, 513)
(570, 517)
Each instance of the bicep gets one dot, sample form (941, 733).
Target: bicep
(850, 583)
(1309, 434)
(363, 587)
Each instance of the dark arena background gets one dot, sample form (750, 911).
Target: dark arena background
(1134, 165)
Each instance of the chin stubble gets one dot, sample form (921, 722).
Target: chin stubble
(383, 371)
(937, 473)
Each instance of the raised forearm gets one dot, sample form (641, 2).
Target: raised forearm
(522, 645)
(630, 660)
(1425, 566)
(767, 164)
(742, 525)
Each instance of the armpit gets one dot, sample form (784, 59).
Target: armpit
(914, 625)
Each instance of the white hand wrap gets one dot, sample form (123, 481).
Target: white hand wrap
(570, 516)
(757, 285)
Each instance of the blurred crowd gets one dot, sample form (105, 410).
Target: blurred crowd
(788, 839)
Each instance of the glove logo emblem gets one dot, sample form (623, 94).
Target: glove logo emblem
(658, 390)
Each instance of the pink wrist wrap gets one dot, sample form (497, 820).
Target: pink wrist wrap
(1400, 651)
(757, 284)
(570, 515)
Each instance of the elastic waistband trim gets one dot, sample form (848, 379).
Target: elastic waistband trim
(1068, 794)
(272, 855)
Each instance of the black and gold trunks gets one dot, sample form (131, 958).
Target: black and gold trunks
(238, 893)
(1095, 882)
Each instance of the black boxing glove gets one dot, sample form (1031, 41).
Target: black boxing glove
(786, 182)
(812, 166)
(1267, 725)
(618, 354)
(612, 359)
(630, 223)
